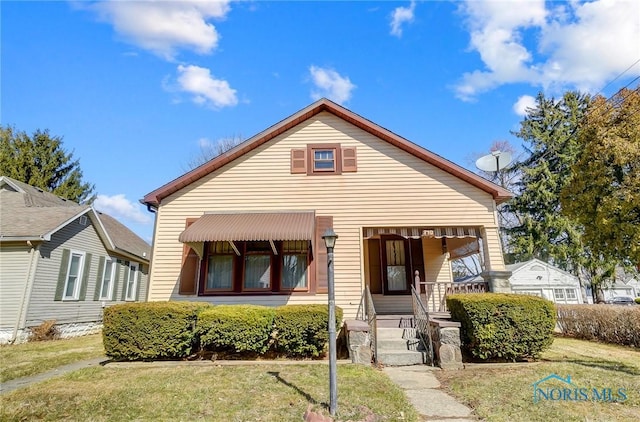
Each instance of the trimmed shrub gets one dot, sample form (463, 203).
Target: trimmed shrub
(151, 330)
(45, 331)
(607, 323)
(302, 330)
(637, 300)
(506, 327)
(236, 328)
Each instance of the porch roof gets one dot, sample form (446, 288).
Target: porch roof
(417, 232)
(256, 226)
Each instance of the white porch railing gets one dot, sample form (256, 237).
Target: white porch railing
(434, 294)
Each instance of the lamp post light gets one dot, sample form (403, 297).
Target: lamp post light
(330, 238)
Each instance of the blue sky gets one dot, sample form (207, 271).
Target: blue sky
(137, 88)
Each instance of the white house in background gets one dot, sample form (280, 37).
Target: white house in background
(630, 287)
(542, 279)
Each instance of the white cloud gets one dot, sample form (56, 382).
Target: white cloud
(205, 143)
(205, 88)
(579, 45)
(163, 27)
(119, 207)
(401, 15)
(524, 103)
(330, 84)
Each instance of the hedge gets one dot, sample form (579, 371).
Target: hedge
(151, 330)
(508, 327)
(236, 328)
(301, 330)
(608, 323)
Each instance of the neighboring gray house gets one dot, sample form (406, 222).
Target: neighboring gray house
(63, 261)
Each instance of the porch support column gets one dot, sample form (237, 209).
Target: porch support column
(498, 281)
(495, 273)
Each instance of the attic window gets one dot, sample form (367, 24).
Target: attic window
(324, 159)
(83, 220)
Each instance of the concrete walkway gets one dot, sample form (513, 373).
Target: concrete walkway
(11, 385)
(423, 390)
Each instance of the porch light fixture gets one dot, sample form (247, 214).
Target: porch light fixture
(330, 238)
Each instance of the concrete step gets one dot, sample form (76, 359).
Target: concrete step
(394, 321)
(390, 333)
(398, 344)
(401, 358)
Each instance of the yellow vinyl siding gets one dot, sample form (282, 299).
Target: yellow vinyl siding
(437, 266)
(390, 188)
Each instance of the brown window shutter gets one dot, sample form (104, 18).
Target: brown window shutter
(189, 269)
(298, 161)
(349, 160)
(320, 254)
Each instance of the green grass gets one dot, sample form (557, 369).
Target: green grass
(208, 392)
(22, 360)
(505, 392)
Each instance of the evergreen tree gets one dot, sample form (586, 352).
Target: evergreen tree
(40, 160)
(542, 230)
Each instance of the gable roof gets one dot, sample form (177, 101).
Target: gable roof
(155, 198)
(518, 265)
(28, 213)
(124, 239)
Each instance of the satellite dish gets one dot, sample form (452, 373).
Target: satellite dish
(495, 161)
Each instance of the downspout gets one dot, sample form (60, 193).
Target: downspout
(28, 285)
(153, 210)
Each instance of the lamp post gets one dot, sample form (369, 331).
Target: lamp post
(329, 238)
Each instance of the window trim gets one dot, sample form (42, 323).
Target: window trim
(76, 288)
(127, 296)
(311, 162)
(113, 262)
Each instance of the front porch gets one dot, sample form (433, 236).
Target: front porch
(397, 258)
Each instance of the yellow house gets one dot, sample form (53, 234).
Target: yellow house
(246, 226)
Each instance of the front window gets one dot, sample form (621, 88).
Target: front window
(132, 281)
(220, 267)
(324, 160)
(74, 275)
(106, 292)
(257, 266)
(294, 265)
(571, 294)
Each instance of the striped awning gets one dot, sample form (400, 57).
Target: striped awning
(417, 232)
(452, 232)
(252, 226)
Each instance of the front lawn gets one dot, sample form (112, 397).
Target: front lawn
(273, 392)
(22, 360)
(505, 392)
